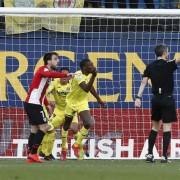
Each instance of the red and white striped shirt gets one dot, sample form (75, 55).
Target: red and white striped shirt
(39, 85)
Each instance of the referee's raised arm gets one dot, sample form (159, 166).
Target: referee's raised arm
(160, 72)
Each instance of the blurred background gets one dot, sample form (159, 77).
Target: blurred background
(149, 4)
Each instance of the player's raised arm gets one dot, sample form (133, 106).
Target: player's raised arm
(53, 74)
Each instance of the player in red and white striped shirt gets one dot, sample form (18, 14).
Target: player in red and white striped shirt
(35, 101)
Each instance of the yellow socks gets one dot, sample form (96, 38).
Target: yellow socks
(81, 135)
(48, 143)
(64, 135)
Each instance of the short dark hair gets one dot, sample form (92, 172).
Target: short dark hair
(160, 49)
(64, 68)
(48, 56)
(84, 62)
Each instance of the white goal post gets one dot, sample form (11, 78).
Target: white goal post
(98, 12)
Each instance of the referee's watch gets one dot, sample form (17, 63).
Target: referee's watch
(138, 97)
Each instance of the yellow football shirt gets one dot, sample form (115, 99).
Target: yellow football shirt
(78, 96)
(59, 93)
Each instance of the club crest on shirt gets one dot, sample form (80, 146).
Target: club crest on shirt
(23, 3)
(79, 76)
(64, 3)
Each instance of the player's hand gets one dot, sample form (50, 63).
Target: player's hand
(94, 72)
(137, 102)
(71, 75)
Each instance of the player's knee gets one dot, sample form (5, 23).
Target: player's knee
(34, 129)
(156, 126)
(44, 127)
(89, 123)
(166, 127)
(74, 127)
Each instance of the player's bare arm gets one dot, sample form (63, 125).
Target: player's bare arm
(53, 74)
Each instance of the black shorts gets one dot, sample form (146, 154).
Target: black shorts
(35, 114)
(164, 108)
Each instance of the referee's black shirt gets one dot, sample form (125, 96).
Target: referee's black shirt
(161, 74)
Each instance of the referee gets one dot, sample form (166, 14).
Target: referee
(160, 72)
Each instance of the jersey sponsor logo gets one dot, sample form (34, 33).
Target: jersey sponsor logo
(62, 93)
(104, 148)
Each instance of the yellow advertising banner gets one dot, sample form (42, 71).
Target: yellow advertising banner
(17, 25)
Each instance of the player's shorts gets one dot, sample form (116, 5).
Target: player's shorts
(58, 117)
(164, 108)
(35, 113)
(72, 109)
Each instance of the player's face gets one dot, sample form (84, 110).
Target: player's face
(54, 61)
(89, 68)
(64, 80)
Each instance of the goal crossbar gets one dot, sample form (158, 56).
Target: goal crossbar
(98, 12)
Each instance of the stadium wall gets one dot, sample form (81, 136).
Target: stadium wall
(120, 130)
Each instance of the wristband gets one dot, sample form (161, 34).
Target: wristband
(138, 97)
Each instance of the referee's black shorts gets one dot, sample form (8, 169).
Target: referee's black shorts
(164, 108)
(35, 113)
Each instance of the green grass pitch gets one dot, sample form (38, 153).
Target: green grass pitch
(14, 169)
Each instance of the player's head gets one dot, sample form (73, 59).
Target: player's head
(87, 66)
(66, 79)
(51, 59)
(162, 51)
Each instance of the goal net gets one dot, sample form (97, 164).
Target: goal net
(120, 42)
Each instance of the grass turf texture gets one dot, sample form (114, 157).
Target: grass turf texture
(13, 169)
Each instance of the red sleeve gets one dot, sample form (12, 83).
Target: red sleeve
(51, 74)
(46, 103)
